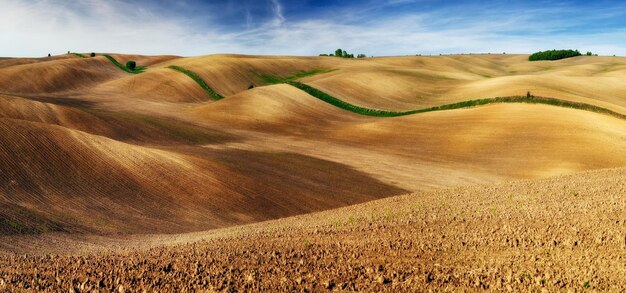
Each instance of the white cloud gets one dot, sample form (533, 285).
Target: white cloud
(34, 28)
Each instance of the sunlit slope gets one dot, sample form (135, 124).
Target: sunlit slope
(56, 179)
(231, 74)
(404, 83)
(6, 62)
(127, 127)
(61, 74)
(276, 108)
(513, 140)
(56, 76)
(430, 150)
(161, 85)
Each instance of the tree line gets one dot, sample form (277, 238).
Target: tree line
(343, 54)
(555, 55)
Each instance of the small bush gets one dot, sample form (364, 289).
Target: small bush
(251, 86)
(131, 65)
(92, 54)
(361, 56)
(49, 55)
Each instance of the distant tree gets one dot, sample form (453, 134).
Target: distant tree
(323, 54)
(361, 56)
(131, 65)
(344, 54)
(68, 52)
(339, 53)
(49, 55)
(331, 55)
(93, 54)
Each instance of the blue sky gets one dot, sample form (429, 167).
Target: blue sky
(303, 27)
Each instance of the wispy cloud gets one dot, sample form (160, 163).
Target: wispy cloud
(278, 13)
(394, 27)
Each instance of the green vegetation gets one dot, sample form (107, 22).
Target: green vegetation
(135, 70)
(131, 65)
(341, 104)
(199, 81)
(343, 54)
(465, 104)
(554, 55)
(273, 79)
(79, 55)
(92, 54)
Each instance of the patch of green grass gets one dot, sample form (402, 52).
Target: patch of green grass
(213, 94)
(465, 104)
(138, 69)
(273, 79)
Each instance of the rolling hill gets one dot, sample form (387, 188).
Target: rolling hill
(96, 159)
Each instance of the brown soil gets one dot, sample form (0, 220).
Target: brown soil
(96, 164)
(555, 234)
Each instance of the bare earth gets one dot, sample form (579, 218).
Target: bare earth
(111, 181)
(553, 234)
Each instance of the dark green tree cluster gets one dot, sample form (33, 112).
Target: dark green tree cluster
(553, 55)
(343, 54)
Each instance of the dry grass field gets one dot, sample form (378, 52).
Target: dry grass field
(118, 181)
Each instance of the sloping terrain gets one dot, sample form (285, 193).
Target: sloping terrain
(86, 183)
(406, 83)
(152, 152)
(563, 233)
(95, 160)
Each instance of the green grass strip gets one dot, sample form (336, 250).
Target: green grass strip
(273, 79)
(138, 69)
(80, 55)
(465, 104)
(199, 81)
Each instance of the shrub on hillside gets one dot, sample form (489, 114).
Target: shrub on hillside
(131, 65)
(92, 54)
(553, 55)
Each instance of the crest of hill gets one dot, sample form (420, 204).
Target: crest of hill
(514, 140)
(275, 108)
(65, 73)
